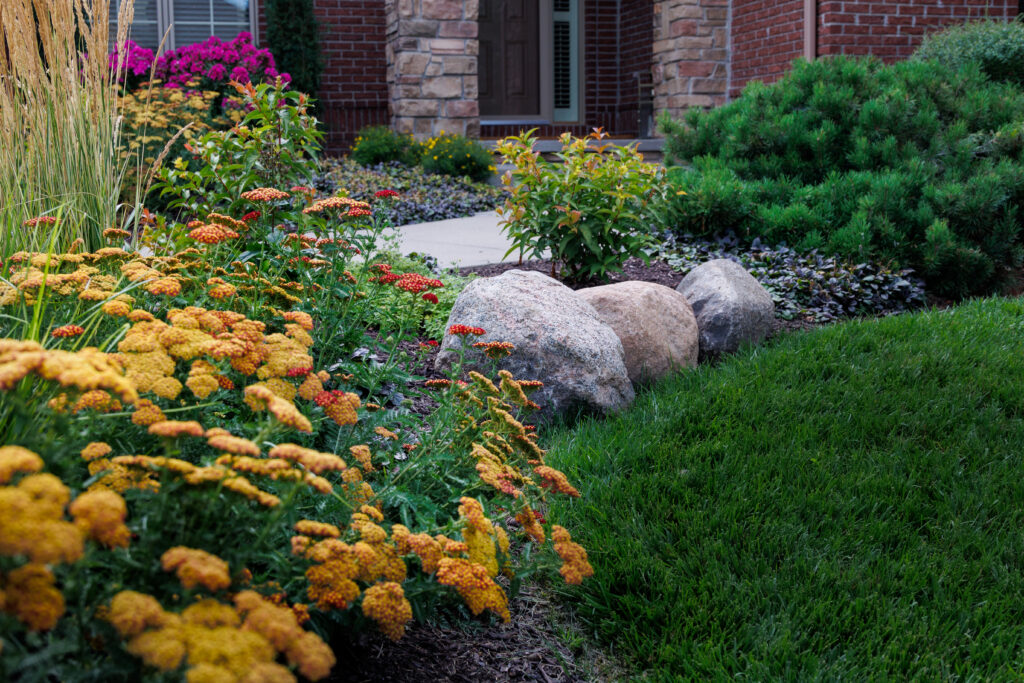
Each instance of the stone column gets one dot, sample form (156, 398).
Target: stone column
(432, 52)
(690, 63)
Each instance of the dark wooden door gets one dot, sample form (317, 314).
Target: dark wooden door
(509, 64)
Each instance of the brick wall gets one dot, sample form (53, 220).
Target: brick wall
(766, 37)
(892, 29)
(353, 86)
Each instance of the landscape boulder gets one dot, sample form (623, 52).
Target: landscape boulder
(559, 339)
(730, 305)
(655, 324)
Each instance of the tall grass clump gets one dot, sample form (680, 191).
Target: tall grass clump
(59, 123)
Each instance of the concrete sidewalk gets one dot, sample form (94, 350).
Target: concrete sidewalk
(472, 241)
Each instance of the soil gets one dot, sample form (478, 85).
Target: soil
(528, 648)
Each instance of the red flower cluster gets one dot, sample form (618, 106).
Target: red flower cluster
(414, 283)
(430, 297)
(429, 344)
(463, 330)
(40, 220)
(251, 216)
(385, 194)
(67, 331)
(299, 372)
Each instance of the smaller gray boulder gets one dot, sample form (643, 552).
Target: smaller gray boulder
(730, 305)
(655, 324)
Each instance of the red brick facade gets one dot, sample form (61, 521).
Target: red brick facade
(768, 34)
(625, 44)
(891, 30)
(353, 86)
(765, 37)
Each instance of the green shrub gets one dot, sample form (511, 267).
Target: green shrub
(293, 40)
(914, 164)
(457, 155)
(590, 210)
(997, 46)
(379, 144)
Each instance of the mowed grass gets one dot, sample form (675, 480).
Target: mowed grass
(841, 504)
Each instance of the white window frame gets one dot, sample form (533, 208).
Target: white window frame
(165, 20)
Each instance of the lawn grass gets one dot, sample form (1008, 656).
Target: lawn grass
(841, 504)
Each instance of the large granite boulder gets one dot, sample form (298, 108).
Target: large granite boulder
(655, 324)
(559, 339)
(731, 306)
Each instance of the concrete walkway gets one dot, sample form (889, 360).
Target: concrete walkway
(472, 241)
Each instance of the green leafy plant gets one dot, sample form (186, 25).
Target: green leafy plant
(276, 145)
(293, 39)
(380, 144)
(915, 164)
(590, 209)
(456, 155)
(996, 46)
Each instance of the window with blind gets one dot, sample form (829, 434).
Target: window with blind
(189, 21)
(565, 59)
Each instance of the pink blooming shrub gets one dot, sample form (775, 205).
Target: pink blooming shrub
(214, 62)
(207, 66)
(135, 63)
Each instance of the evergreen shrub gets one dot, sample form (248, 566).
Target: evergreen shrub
(380, 144)
(916, 165)
(996, 46)
(456, 155)
(293, 38)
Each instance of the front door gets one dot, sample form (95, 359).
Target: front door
(509, 63)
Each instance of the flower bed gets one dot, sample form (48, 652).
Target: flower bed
(207, 468)
(424, 196)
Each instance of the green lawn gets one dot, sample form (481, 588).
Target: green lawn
(841, 504)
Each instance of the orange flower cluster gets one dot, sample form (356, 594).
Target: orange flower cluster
(387, 605)
(212, 233)
(218, 642)
(576, 567)
(33, 526)
(265, 194)
(336, 203)
(229, 222)
(477, 588)
(338, 405)
(495, 349)
(88, 369)
(197, 568)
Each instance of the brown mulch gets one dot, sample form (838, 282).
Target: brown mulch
(528, 648)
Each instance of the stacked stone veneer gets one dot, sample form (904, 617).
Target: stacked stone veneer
(690, 61)
(432, 52)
